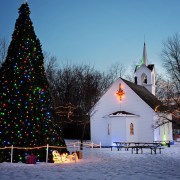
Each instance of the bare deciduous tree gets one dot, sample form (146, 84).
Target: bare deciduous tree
(169, 87)
(3, 50)
(115, 71)
(171, 58)
(51, 67)
(75, 90)
(130, 74)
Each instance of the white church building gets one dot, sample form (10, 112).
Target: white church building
(127, 111)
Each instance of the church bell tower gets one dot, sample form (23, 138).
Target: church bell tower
(145, 73)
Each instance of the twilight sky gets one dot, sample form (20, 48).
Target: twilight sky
(97, 32)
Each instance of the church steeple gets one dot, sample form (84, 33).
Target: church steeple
(145, 73)
(144, 58)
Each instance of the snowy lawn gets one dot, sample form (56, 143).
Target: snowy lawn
(102, 165)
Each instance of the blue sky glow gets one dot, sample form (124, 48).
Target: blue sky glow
(97, 32)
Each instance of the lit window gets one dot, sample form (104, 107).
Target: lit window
(131, 129)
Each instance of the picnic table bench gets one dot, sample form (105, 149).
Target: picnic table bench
(167, 143)
(120, 145)
(139, 146)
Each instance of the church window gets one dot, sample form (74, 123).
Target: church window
(144, 78)
(131, 129)
(135, 79)
(108, 130)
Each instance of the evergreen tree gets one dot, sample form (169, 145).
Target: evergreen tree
(26, 110)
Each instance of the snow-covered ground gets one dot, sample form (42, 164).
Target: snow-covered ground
(102, 165)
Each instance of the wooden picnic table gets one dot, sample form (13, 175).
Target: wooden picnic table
(139, 146)
(119, 145)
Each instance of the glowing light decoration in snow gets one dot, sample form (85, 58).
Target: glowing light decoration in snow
(120, 93)
(63, 158)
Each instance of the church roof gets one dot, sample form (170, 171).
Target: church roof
(121, 113)
(151, 66)
(146, 96)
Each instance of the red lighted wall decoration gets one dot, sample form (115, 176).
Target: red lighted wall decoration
(120, 93)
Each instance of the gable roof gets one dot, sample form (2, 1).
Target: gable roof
(146, 96)
(121, 113)
(150, 67)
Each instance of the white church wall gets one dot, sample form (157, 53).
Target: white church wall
(132, 137)
(145, 129)
(164, 132)
(117, 130)
(139, 73)
(153, 76)
(131, 102)
(134, 104)
(99, 129)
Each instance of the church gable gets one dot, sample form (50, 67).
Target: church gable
(109, 101)
(119, 97)
(146, 96)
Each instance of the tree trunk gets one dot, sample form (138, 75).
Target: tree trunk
(82, 137)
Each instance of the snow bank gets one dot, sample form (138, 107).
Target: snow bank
(102, 165)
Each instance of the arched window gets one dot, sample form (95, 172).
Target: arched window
(135, 79)
(144, 79)
(131, 129)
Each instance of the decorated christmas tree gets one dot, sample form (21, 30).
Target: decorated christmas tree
(26, 109)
